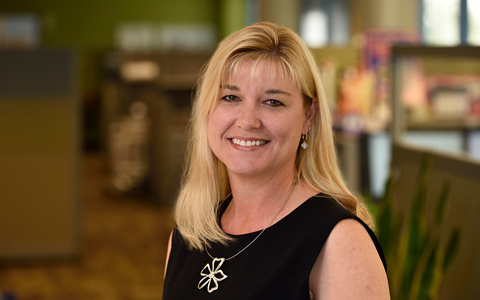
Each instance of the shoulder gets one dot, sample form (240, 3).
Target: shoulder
(169, 249)
(349, 267)
(318, 216)
(326, 210)
(323, 202)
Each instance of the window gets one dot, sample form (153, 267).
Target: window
(473, 11)
(450, 22)
(324, 22)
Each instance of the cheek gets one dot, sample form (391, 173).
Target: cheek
(215, 128)
(220, 120)
(291, 128)
(213, 123)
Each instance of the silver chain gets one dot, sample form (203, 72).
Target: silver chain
(284, 203)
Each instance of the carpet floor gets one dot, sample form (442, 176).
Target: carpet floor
(123, 250)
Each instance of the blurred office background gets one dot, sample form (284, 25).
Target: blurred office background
(95, 97)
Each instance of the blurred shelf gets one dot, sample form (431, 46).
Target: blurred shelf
(174, 70)
(456, 51)
(400, 122)
(444, 124)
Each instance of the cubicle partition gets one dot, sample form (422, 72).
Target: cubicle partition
(463, 175)
(444, 126)
(39, 154)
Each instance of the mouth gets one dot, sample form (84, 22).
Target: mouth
(250, 143)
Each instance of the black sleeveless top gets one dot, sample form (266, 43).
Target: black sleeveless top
(276, 266)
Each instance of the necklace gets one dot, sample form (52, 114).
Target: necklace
(212, 273)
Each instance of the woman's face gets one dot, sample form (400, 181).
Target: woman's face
(256, 125)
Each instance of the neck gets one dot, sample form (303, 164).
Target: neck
(256, 191)
(256, 201)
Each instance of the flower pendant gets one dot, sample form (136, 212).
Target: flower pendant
(212, 275)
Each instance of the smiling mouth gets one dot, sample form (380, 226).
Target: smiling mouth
(248, 143)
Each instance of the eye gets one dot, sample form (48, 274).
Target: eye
(230, 98)
(273, 102)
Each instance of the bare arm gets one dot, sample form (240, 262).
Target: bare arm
(169, 248)
(349, 267)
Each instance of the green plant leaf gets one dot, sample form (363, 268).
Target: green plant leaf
(416, 261)
(386, 224)
(421, 270)
(442, 203)
(428, 275)
(386, 220)
(413, 263)
(437, 274)
(417, 231)
(452, 249)
(396, 274)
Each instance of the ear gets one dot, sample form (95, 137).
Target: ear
(310, 115)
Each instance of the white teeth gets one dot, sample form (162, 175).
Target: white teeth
(248, 143)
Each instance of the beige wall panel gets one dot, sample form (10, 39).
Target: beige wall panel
(39, 213)
(464, 177)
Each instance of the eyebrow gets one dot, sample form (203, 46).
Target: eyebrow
(271, 92)
(231, 87)
(278, 92)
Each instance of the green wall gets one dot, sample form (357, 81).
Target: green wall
(89, 25)
(231, 16)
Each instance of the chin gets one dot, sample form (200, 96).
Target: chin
(244, 170)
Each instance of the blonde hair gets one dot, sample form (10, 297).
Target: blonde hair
(205, 181)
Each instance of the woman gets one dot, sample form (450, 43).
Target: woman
(263, 212)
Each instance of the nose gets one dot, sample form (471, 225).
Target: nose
(248, 117)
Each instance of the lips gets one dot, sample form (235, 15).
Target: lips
(248, 143)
